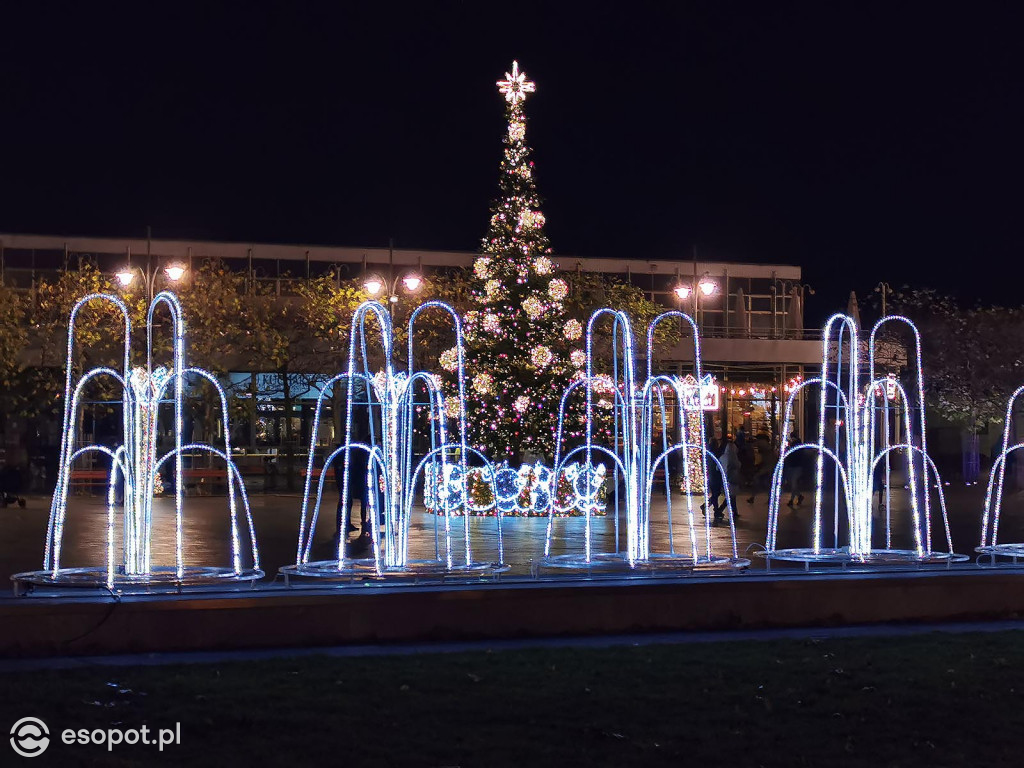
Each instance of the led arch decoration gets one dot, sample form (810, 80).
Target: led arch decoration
(393, 474)
(635, 461)
(992, 512)
(136, 464)
(862, 429)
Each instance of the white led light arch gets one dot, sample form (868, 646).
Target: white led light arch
(858, 441)
(635, 462)
(393, 474)
(136, 463)
(992, 511)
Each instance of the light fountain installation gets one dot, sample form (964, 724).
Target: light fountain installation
(862, 428)
(136, 464)
(992, 513)
(393, 474)
(636, 462)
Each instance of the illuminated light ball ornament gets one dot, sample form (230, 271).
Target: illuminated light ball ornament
(558, 289)
(450, 359)
(492, 287)
(492, 323)
(531, 219)
(482, 266)
(544, 265)
(482, 383)
(573, 330)
(541, 356)
(521, 403)
(516, 130)
(533, 307)
(452, 407)
(578, 358)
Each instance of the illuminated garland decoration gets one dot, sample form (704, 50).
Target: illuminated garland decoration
(136, 464)
(525, 492)
(634, 459)
(394, 471)
(856, 441)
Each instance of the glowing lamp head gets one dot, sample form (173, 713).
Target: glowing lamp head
(707, 287)
(125, 277)
(373, 285)
(683, 291)
(174, 272)
(412, 282)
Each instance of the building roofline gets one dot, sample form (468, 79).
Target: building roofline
(182, 248)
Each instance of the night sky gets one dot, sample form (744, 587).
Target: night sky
(880, 140)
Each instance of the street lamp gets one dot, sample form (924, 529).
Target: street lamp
(375, 285)
(885, 289)
(172, 272)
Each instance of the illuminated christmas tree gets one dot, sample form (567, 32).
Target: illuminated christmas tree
(523, 348)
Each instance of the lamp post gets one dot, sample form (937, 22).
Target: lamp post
(172, 272)
(376, 285)
(885, 289)
(705, 287)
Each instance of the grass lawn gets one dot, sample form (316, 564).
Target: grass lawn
(935, 700)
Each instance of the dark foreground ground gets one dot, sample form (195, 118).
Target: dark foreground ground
(922, 700)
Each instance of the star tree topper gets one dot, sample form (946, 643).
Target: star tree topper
(515, 86)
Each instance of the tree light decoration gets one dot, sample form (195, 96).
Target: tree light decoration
(137, 464)
(545, 266)
(521, 403)
(855, 428)
(482, 383)
(492, 323)
(634, 458)
(533, 307)
(394, 470)
(492, 287)
(541, 356)
(482, 267)
(573, 330)
(558, 289)
(516, 130)
(450, 359)
(578, 358)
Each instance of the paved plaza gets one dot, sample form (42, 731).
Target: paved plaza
(276, 516)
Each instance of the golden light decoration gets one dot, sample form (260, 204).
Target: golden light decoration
(533, 307)
(452, 407)
(492, 323)
(517, 130)
(543, 265)
(541, 356)
(521, 403)
(573, 330)
(578, 358)
(558, 289)
(515, 86)
(482, 383)
(450, 359)
(492, 287)
(482, 267)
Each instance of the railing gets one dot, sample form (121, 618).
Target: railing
(773, 334)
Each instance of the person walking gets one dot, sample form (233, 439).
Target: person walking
(731, 465)
(793, 471)
(765, 469)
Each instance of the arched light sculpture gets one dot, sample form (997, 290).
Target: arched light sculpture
(393, 474)
(992, 512)
(853, 446)
(136, 464)
(635, 461)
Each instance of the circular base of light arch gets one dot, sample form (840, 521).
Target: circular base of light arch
(366, 569)
(166, 577)
(617, 563)
(877, 557)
